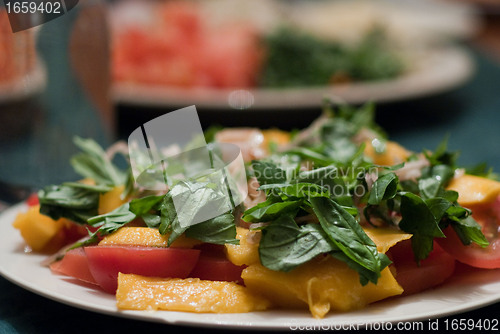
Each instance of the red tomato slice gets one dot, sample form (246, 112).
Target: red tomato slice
(74, 264)
(473, 255)
(431, 272)
(213, 265)
(489, 257)
(32, 200)
(105, 262)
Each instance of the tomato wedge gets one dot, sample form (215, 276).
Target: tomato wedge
(74, 264)
(213, 265)
(473, 255)
(432, 271)
(32, 200)
(105, 262)
(488, 216)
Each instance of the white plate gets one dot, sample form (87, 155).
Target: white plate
(431, 73)
(463, 293)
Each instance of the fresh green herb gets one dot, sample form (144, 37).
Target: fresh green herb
(384, 188)
(184, 203)
(354, 246)
(482, 170)
(219, 230)
(73, 201)
(92, 163)
(418, 219)
(321, 62)
(270, 210)
(284, 245)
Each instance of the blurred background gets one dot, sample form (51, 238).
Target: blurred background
(105, 67)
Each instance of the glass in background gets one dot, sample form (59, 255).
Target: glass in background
(70, 53)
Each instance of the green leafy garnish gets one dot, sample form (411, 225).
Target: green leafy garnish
(321, 62)
(92, 163)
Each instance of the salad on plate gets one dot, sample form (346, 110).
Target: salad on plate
(336, 217)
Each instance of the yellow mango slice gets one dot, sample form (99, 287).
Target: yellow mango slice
(474, 190)
(385, 238)
(145, 236)
(392, 155)
(36, 229)
(275, 136)
(111, 200)
(137, 292)
(247, 252)
(322, 284)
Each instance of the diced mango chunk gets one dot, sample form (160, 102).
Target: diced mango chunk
(36, 229)
(275, 136)
(111, 200)
(247, 252)
(392, 155)
(474, 190)
(137, 292)
(145, 236)
(385, 238)
(322, 284)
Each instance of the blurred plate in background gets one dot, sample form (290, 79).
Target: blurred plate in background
(433, 72)
(234, 55)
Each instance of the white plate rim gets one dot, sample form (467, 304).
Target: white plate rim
(436, 71)
(479, 289)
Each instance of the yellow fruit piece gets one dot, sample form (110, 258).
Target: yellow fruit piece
(474, 190)
(36, 229)
(275, 136)
(385, 238)
(322, 284)
(392, 155)
(137, 292)
(247, 252)
(145, 236)
(111, 200)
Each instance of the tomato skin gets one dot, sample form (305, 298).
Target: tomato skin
(32, 200)
(213, 265)
(488, 216)
(74, 264)
(473, 255)
(432, 271)
(105, 262)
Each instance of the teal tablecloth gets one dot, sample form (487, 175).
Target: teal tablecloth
(470, 115)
